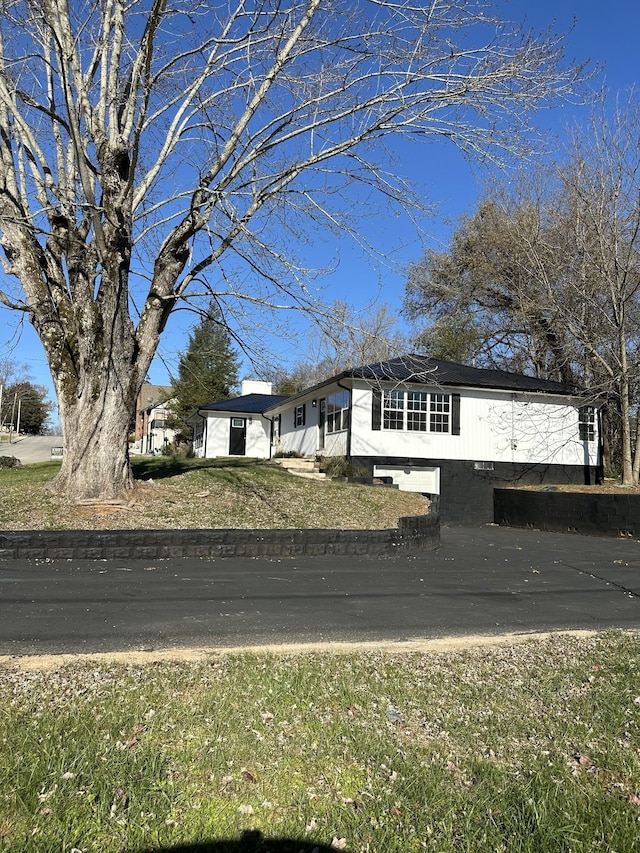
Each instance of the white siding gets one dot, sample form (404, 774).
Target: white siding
(495, 426)
(305, 440)
(217, 435)
(258, 437)
(335, 444)
(299, 439)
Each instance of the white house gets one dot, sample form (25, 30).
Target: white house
(236, 427)
(443, 429)
(151, 400)
(158, 434)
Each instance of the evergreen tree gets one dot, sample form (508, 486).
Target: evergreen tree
(208, 370)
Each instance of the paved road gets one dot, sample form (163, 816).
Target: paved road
(31, 448)
(482, 581)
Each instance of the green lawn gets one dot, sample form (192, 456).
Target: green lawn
(532, 748)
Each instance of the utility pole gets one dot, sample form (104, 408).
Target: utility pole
(13, 411)
(18, 421)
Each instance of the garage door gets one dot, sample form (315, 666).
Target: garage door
(424, 480)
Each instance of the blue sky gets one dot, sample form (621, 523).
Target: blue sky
(605, 33)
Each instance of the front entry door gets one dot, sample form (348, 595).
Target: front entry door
(238, 437)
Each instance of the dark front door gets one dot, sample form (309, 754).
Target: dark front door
(238, 437)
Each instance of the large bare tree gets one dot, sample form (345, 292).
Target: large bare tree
(144, 143)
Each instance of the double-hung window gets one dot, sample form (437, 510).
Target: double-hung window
(393, 410)
(417, 411)
(417, 408)
(439, 412)
(587, 423)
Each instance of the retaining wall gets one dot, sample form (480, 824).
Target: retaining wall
(466, 493)
(414, 535)
(597, 514)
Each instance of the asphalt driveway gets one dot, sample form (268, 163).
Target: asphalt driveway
(486, 581)
(31, 448)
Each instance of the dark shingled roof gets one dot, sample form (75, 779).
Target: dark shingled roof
(419, 368)
(251, 404)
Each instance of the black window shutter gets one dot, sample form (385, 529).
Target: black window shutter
(304, 413)
(376, 409)
(455, 414)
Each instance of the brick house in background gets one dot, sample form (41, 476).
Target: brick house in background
(153, 408)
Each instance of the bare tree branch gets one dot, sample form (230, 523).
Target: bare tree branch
(147, 145)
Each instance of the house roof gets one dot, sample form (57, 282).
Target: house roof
(151, 395)
(420, 368)
(251, 404)
(408, 368)
(433, 371)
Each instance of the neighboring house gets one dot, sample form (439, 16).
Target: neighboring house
(446, 430)
(236, 427)
(153, 412)
(159, 434)
(149, 397)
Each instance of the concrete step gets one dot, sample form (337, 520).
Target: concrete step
(308, 475)
(301, 467)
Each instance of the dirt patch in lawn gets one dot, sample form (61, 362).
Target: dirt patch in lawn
(609, 487)
(43, 663)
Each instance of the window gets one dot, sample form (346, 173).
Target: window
(439, 407)
(484, 466)
(299, 415)
(393, 410)
(417, 403)
(337, 411)
(417, 411)
(587, 423)
(198, 435)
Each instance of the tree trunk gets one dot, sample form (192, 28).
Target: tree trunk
(636, 455)
(95, 424)
(625, 408)
(625, 427)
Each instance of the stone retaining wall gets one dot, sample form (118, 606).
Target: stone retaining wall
(414, 535)
(597, 514)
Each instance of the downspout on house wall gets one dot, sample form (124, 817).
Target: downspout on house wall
(270, 421)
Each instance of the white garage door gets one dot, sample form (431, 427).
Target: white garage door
(425, 480)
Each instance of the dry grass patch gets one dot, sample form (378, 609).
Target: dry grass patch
(609, 487)
(176, 494)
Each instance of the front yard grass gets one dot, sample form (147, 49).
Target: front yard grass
(208, 493)
(528, 748)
